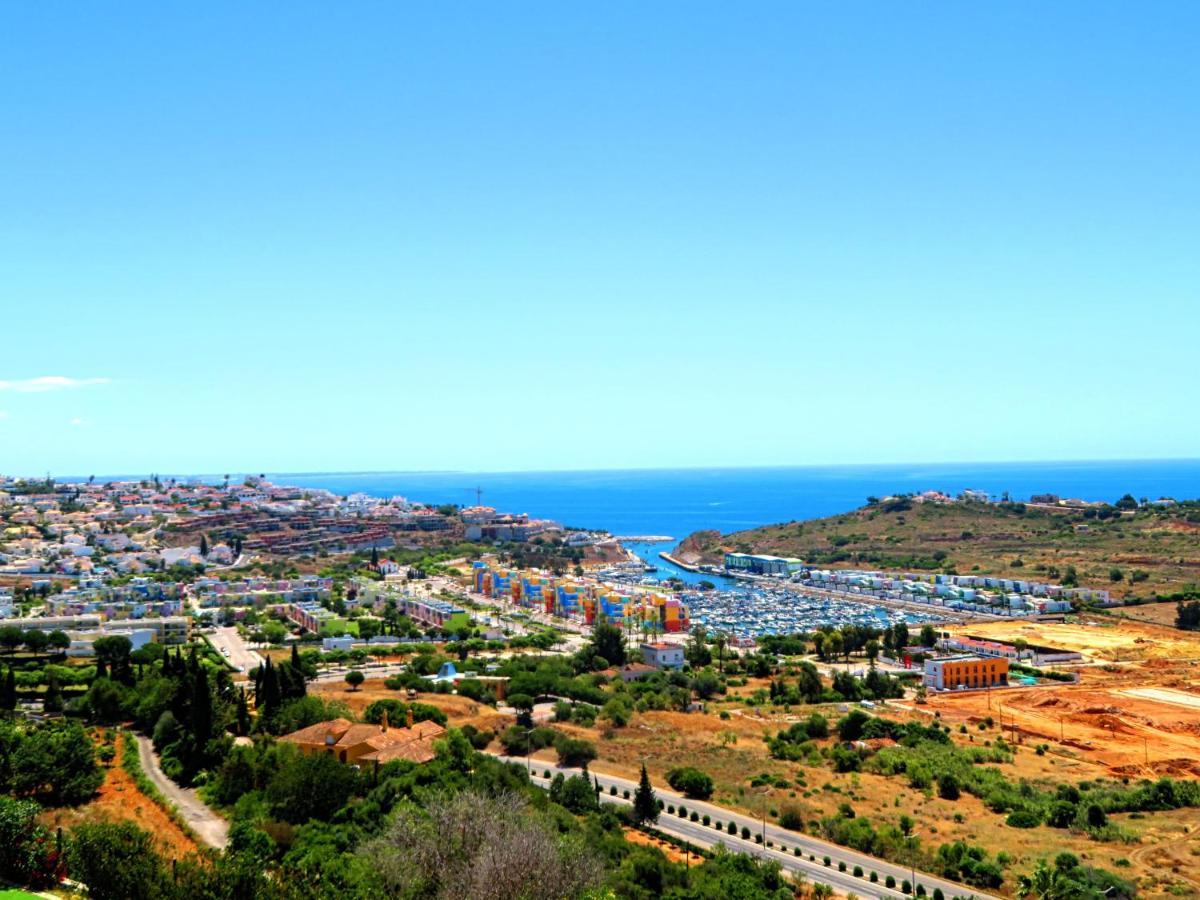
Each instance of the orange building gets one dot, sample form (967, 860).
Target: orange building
(965, 673)
(359, 744)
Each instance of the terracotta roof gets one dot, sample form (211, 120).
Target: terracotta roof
(418, 751)
(414, 743)
(316, 734)
(358, 734)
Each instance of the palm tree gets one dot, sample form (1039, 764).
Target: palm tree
(1045, 883)
(719, 641)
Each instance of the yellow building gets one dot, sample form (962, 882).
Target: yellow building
(965, 673)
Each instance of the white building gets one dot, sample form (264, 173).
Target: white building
(662, 655)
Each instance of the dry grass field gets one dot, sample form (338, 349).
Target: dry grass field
(1160, 547)
(120, 800)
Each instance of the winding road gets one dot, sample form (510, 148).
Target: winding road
(208, 826)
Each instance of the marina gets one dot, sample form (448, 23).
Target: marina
(752, 607)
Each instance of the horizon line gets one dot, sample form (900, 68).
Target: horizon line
(698, 468)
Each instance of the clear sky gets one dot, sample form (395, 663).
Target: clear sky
(562, 235)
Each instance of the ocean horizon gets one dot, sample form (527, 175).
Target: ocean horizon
(677, 502)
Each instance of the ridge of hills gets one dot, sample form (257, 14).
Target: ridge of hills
(1149, 552)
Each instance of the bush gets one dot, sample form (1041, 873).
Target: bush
(791, 819)
(690, 782)
(574, 752)
(858, 872)
(731, 828)
(1023, 818)
(889, 882)
(745, 833)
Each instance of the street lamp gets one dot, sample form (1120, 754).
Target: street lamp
(912, 858)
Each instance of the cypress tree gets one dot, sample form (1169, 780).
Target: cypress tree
(202, 711)
(204, 545)
(268, 701)
(101, 669)
(53, 700)
(645, 804)
(8, 697)
(243, 713)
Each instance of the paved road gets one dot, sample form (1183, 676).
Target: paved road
(813, 870)
(208, 826)
(227, 638)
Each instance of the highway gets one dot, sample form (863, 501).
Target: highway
(785, 841)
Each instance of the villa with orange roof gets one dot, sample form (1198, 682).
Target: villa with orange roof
(358, 744)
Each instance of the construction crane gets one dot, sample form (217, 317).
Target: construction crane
(478, 494)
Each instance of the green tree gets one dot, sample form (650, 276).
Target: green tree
(59, 640)
(690, 782)
(8, 691)
(608, 643)
(309, 786)
(354, 679)
(55, 762)
(116, 860)
(27, 851)
(645, 802)
(11, 638)
(36, 641)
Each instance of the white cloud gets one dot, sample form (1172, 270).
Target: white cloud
(44, 383)
(77, 421)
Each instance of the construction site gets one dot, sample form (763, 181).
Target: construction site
(1135, 710)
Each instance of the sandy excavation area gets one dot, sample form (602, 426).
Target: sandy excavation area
(1135, 710)
(1098, 639)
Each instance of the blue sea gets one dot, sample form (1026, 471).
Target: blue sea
(677, 502)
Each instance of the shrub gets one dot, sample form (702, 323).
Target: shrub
(1023, 818)
(690, 782)
(745, 833)
(889, 882)
(791, 819)
(858, 872)
(731, 828)
(905, 887)
(827, 861)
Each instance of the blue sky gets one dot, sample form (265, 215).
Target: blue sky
(540, 236)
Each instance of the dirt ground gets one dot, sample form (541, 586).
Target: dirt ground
(120, 800)
(460, 710)
(1098, 638)
(1154, 613)
(669, 850)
